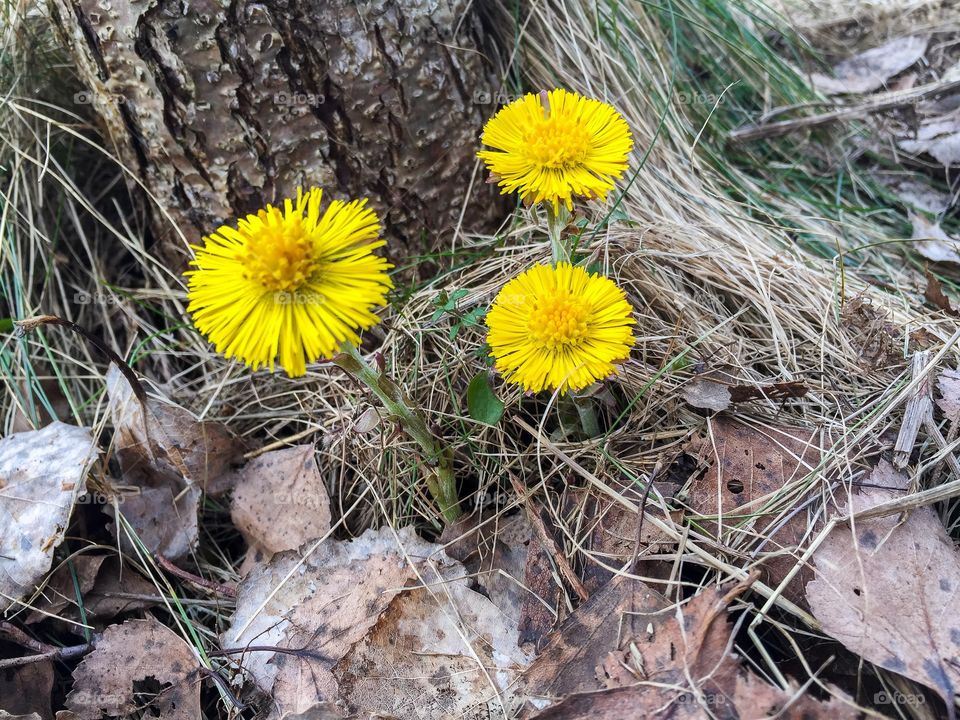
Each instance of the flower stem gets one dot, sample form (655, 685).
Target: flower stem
(556, 222)
(587, 414)
(439, 466)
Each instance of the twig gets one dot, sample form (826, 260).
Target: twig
(33, 323)
(21, 638)
(64, 653)
(195, 579)
(919, 406)
(879, 103)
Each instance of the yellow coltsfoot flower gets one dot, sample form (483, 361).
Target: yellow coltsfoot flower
(552, 146)
(290, 284)
(559, 328)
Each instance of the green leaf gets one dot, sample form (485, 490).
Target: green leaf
(482, 404)
(6, 325)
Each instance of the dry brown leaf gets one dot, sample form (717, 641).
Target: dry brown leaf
(42, 473)
(949, 401)
(171, 447)
(280, 500)
(348, 601)
(27, 689)
(938, 137)
(435, 653)
(105, 589)
(680, 666)
(495, 555)
(887, 589)
(745, 465)
(166, 524)
(707, 394)
(933, 243)
(870, 70)
(130, 660)
(540, 605)
(612, 542)
(717, 391)
(173, 459)
(935, 296)
(620, 610)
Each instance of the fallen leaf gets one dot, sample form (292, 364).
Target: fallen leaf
(42, 473)
(707, 394)
(933, 243)
(870, 70)
(920, 196)
(105, 589)
(718, 391)
(886, 588)
(612, 541)
(936, 297)
(165, 524)
(355, 628)
(442, 651)
(949, 401)
(169, 446)
(27, 689)
(938, 137)
(280, 500)
(540, 607)
(494, 552)
(678, 666)
(173, 459)
(567, 664)
(138, 665)
(747, 467)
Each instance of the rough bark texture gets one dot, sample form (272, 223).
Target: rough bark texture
(221, 107)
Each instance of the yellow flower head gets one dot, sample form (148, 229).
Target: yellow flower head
(559, 327)
(555, 145)
(290, 283)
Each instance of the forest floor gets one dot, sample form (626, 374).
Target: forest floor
(766, 524)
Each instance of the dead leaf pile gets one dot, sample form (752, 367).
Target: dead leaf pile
(383, 623)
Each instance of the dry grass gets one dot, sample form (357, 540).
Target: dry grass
(732, 257)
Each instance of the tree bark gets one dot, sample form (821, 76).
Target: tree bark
(220, 107)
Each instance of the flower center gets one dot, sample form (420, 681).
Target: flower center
(558, 321)
(279, 256)
(558, 142)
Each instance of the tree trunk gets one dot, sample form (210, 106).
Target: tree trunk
(221, 107)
